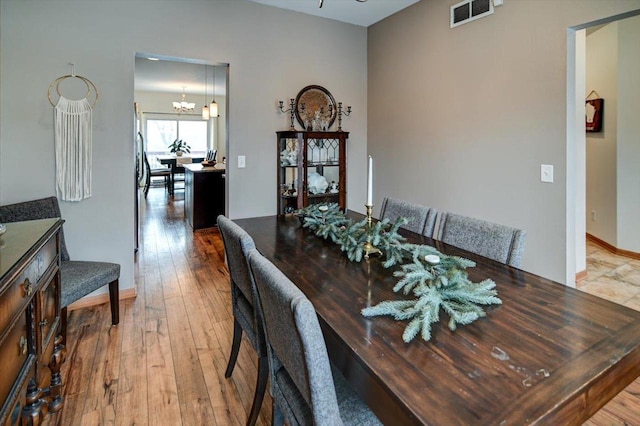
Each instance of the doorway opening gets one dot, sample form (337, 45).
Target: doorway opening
(587, 168)
(178, 99)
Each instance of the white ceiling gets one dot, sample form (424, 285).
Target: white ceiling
(350, 11)
(171, 74)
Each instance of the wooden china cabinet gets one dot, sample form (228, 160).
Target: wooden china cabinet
(300, 155)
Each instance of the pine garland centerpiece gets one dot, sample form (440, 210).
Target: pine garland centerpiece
(438, 281)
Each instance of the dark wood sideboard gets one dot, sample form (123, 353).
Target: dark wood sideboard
(204, 195)
(31, 347)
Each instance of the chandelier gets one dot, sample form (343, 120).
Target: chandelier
(322, 1)
(183, 106)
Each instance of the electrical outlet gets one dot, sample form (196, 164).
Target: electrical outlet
(242, 161)
(593, 215)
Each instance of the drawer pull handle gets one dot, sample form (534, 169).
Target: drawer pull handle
(28, 288)
(23, 345)
(44, 322)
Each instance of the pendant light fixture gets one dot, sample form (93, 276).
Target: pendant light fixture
(213, 107)
(205, 108)
(183, 105)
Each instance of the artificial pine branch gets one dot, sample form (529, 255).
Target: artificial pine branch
(439, 282)
(325, 220)
(353, 239)
(390, 242)
(439, 285)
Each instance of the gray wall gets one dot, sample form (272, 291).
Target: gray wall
(272, 55)
(461, 119)
(602, 76)
(629, 135)
(613, 155)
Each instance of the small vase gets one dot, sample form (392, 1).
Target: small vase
(179, 153)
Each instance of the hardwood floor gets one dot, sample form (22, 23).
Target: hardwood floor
(164, 364)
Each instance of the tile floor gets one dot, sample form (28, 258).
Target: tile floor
(616, 278)
(612, 277)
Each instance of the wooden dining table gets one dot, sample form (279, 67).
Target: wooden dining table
(550, 354)
(171, 160)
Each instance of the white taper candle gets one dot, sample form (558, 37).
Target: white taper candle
(370, 182)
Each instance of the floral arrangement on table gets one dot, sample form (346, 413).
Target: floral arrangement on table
(179, 146)
(438, 281)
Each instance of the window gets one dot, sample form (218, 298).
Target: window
(194, 133)
(160, 134)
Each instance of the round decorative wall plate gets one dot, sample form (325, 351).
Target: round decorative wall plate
(315, 108)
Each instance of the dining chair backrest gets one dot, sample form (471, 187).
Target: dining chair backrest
(146, 163)
(236, 244)
(295, 344)
(497, 242)
(43, 208)
(422, 219)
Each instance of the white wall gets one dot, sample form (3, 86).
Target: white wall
(272, 54)
(629, 135)
(613, 176)
(461, 119)
(602, 76)
(576, 252)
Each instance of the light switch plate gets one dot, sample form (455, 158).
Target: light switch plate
(242, 161)
(546, 173)
(497, 2)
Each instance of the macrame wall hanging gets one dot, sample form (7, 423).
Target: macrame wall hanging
(72, 138)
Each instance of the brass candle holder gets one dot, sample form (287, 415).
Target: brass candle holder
(291, 110)
(369, 248)
(342, 112)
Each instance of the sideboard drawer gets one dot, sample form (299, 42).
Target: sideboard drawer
(18, 294)
(46, 256)
(14, 354)
(20, 291)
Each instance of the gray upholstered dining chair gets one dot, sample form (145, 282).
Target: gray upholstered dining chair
(497, 242)
(78, 278)
(236, 244)
(306, 389)
(422, 219)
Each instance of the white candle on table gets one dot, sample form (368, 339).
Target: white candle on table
(370, 182)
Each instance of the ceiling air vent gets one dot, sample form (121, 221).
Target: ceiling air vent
(470, 10)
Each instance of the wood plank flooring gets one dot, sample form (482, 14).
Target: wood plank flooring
(164, 364)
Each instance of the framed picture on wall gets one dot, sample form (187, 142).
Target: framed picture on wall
(594, 109)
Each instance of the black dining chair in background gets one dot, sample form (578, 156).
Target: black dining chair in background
(163, 172)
